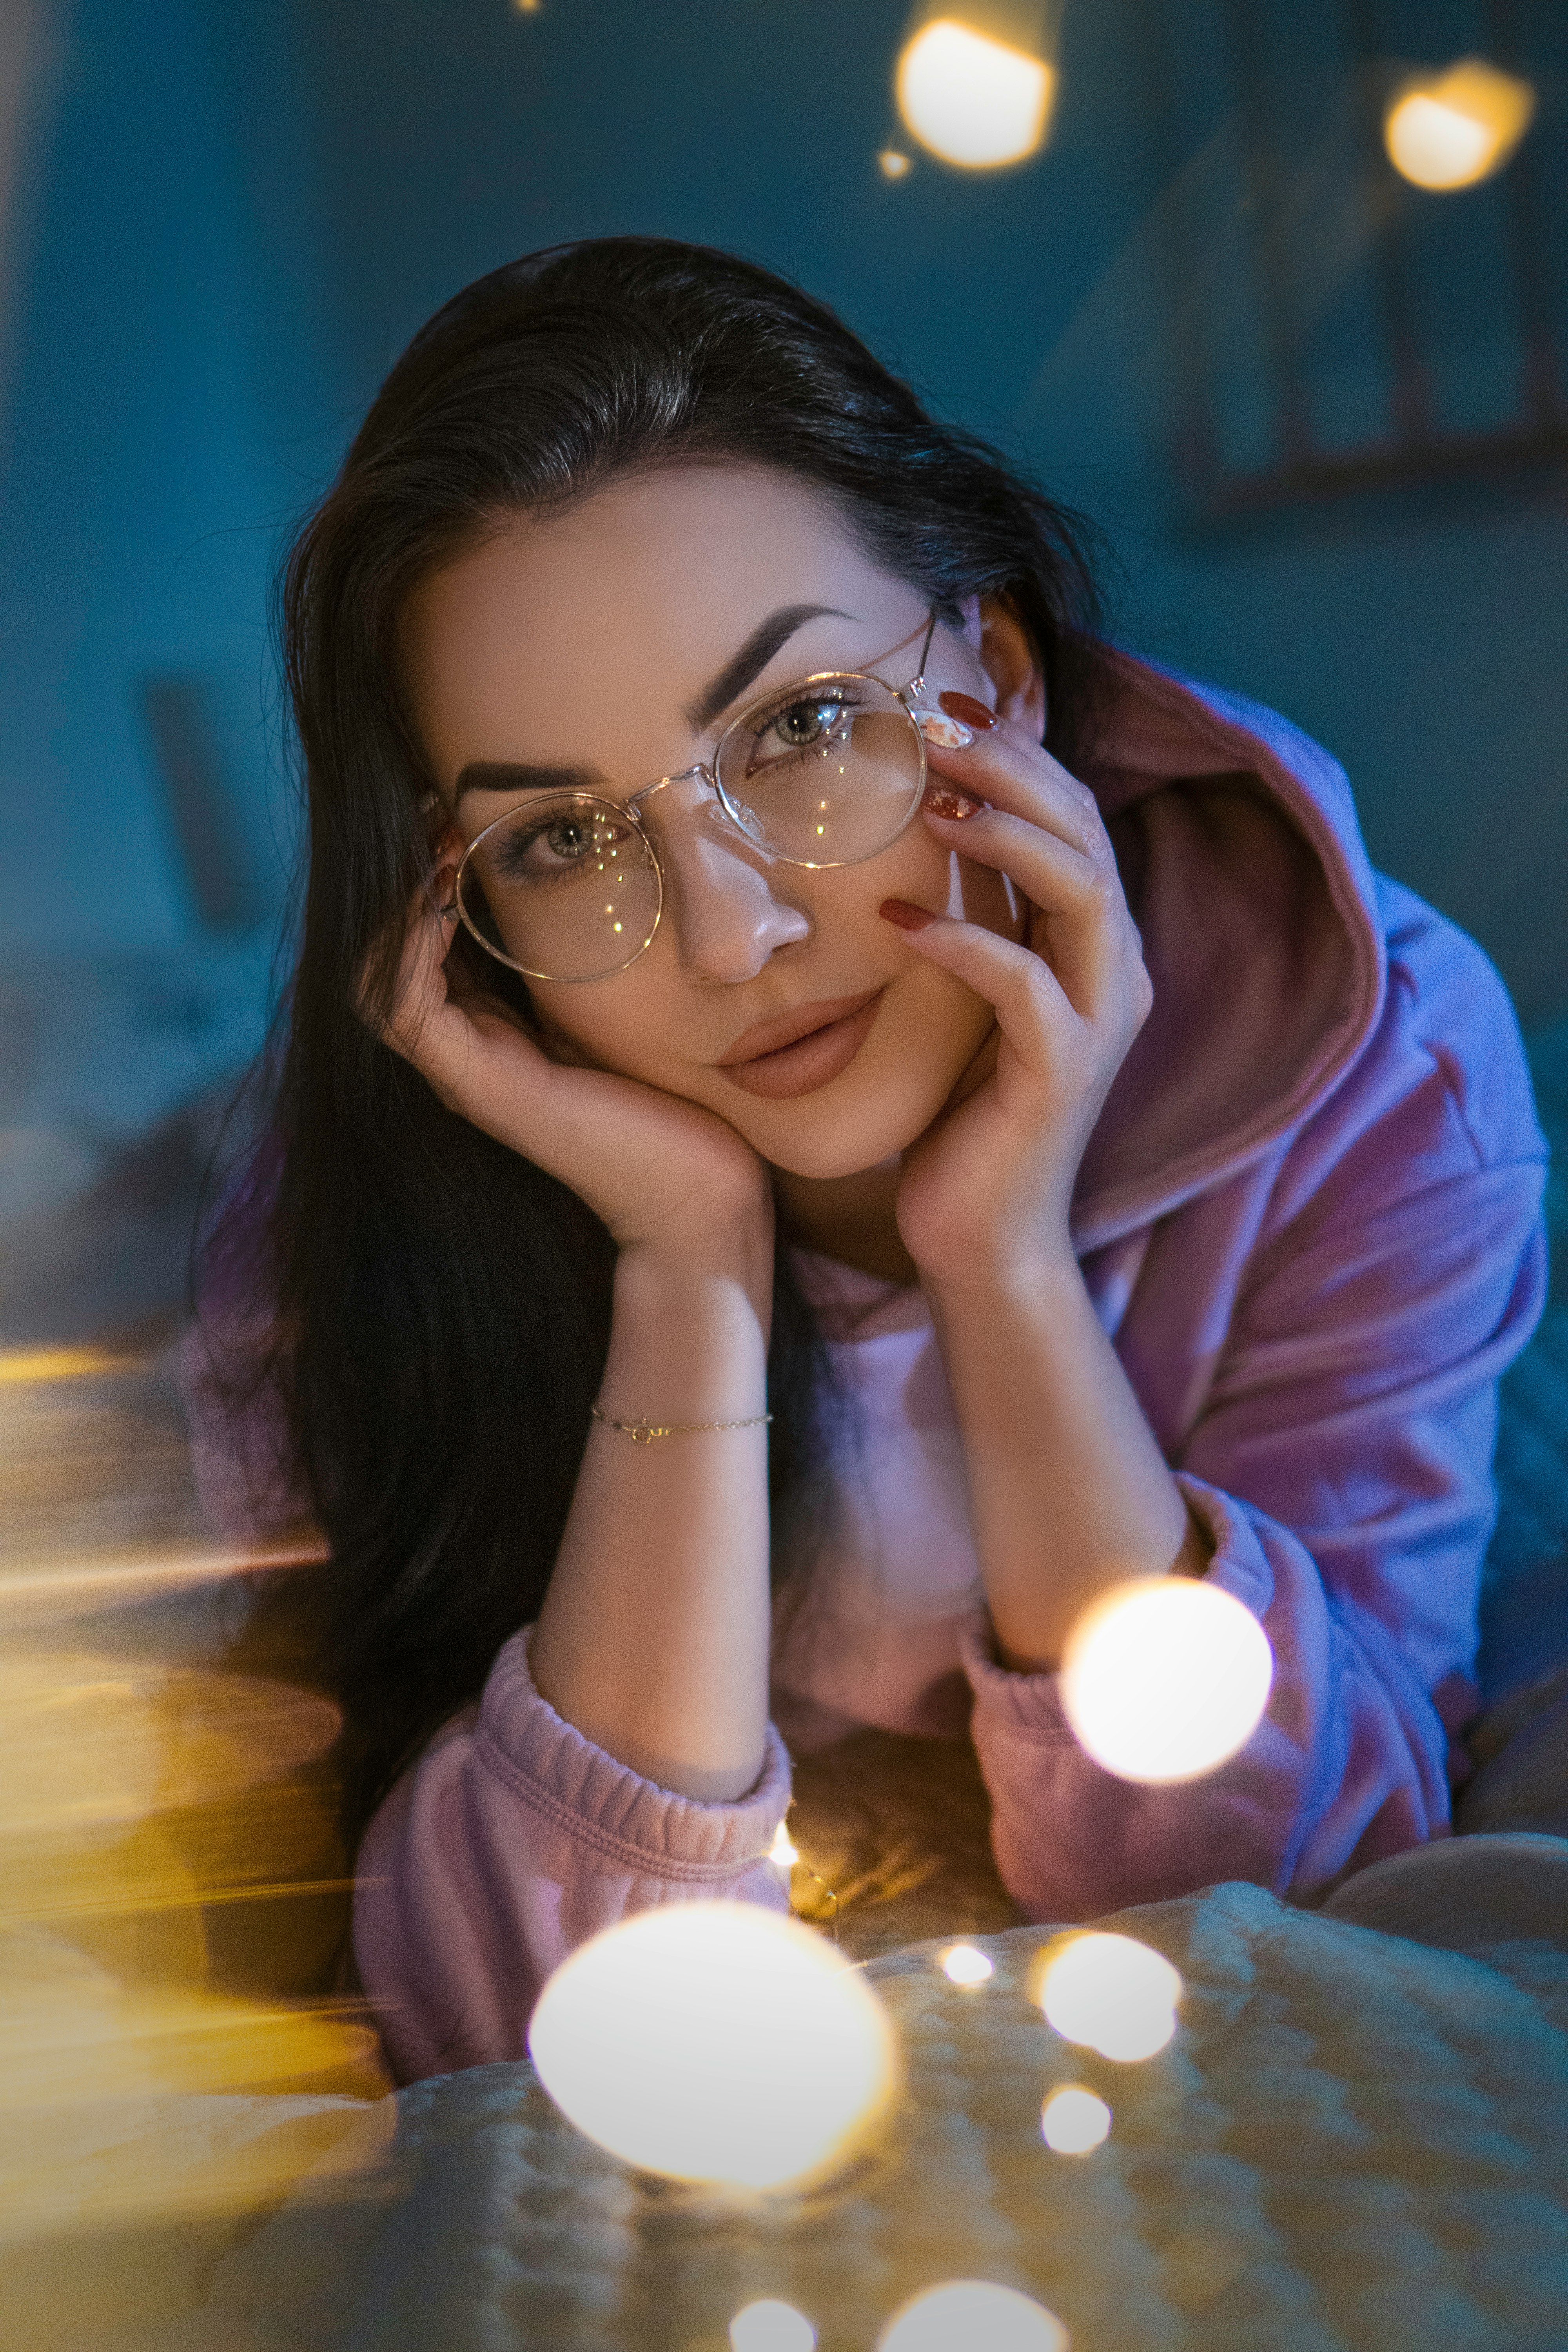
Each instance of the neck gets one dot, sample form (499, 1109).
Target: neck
(850, 1218)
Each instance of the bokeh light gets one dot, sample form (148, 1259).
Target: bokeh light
(1109, 1993)
(967, 2315)
(964, 1966)
(716, 2041)
(1450, 130)
(782, 1851)
(975, 102)
(1163, 1678)
(1073, 2121)
(770, 2326)
(893, 165)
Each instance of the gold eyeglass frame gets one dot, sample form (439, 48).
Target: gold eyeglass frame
(778, 696)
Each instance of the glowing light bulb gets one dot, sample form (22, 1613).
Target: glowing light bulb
(1109, 1993)
(964, 2313)
(964, 1966)
(1073, 2121)
(716, 2041)
(781, 1851)
(972, 100)
(893, 165)
(1164, 1677)
(771, 2326)
(1448, 130)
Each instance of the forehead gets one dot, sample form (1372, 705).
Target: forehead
(583, 635)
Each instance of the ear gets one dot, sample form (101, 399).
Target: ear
(1013, 667)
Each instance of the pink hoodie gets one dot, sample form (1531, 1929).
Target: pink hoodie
(1309, 1218)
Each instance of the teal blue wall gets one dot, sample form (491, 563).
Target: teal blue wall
(240, 214)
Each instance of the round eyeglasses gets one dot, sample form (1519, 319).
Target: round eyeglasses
(827, 771)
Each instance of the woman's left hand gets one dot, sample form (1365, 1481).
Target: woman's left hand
(986, 1189)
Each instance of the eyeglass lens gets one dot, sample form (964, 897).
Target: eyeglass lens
(566, 887)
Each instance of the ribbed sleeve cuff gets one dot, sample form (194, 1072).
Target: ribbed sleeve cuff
(575, 1785)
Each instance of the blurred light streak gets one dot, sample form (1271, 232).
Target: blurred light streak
(1073, 2121)
(1109, 1993)
(770, 2326)
(973, 2315)
(716, 2041)
(974, 100)
(26, 1366)
(1450, 130)
(963, 1965)
(1165, 1678)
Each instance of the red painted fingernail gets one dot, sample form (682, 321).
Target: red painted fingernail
(907, 918)
(946, 800)
(965, 708)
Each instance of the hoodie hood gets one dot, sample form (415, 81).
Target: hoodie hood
(1245, 873)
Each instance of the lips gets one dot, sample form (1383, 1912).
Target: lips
(798, 1051)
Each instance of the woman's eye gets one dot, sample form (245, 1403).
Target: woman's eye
(555, 846)
(800, 727)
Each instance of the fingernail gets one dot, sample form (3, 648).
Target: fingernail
(946, 800)
(944, 731)
(907, 918)
(968, 708)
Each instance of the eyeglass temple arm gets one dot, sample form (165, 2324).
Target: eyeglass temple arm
(919, 679)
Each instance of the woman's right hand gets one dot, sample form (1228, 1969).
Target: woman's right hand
(662, 1173)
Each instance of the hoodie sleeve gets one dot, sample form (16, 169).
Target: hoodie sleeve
(1340, 1458)
(509, 1842)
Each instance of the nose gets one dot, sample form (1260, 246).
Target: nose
(722, 898)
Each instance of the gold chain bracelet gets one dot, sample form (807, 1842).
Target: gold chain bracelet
(643, 1432)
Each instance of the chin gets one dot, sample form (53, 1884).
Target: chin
(820, 1136)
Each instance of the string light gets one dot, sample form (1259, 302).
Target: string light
(781, 1851)
(716, 2041)
(963, 1965)
(963, 2315)
(1073, 2121)
(1450, 130)
(1109, 1993)
(770, 2326)
(893, 165)
(1163, 1678)
(973, 101)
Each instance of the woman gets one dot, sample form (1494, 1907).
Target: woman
(765, 957)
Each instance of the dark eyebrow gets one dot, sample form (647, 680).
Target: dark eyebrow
(513, 776)
(752, 659)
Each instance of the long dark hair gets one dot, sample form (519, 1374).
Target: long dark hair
(436, 1307)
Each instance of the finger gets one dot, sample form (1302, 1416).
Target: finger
(1003, 767)
(1088, 929)
(1030, 1002)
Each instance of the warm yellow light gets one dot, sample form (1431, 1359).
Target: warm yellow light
(771, 2326)
(893, 165)
(1448, 130)
(1109, 1993)
(781, 1851)
(715, 2041)
(973, 101)
(966, 1966)
(963, 2315)
(1073, 2121)
(1164, 1677)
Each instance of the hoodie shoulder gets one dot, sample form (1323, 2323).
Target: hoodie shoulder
(1455, 1010)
